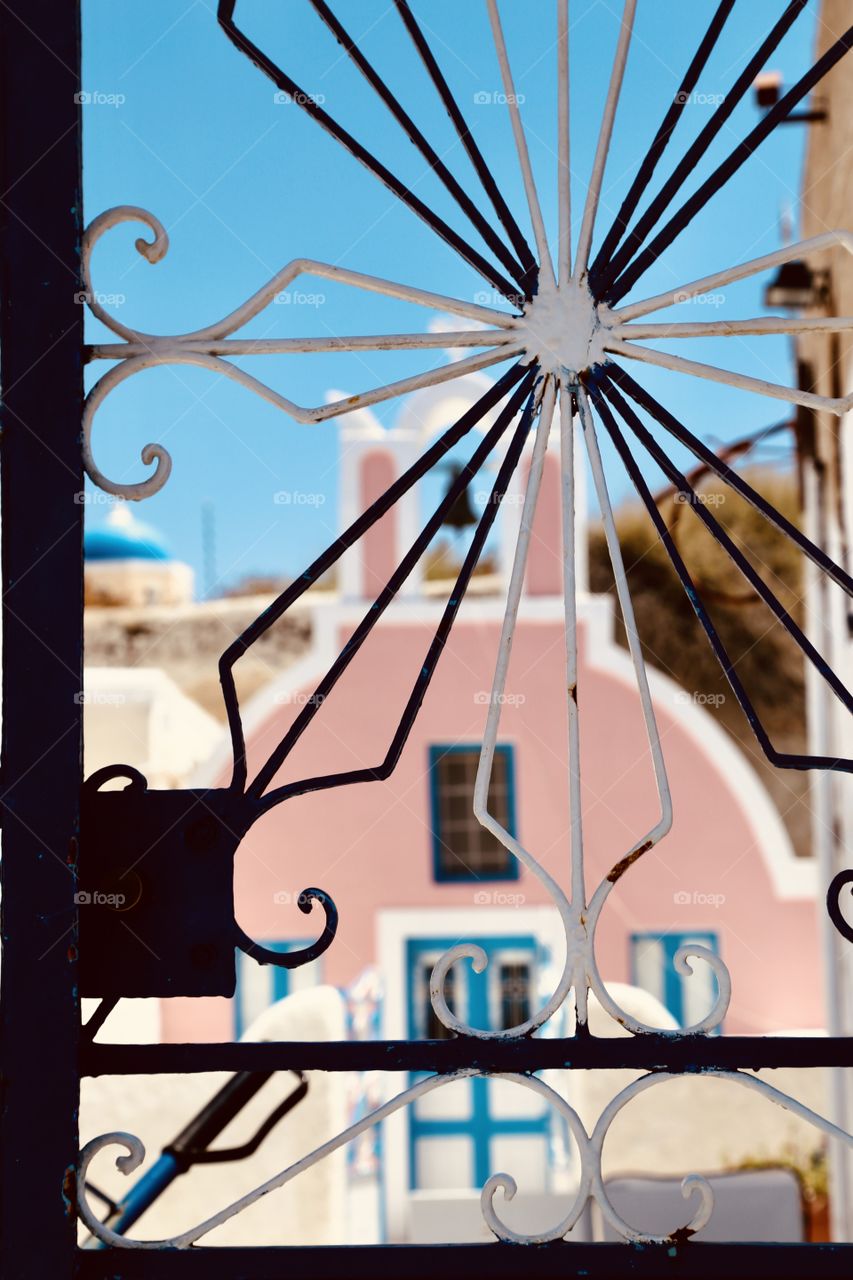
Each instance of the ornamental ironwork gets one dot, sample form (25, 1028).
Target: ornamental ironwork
(565, 330)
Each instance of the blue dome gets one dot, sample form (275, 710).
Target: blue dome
(124, 538)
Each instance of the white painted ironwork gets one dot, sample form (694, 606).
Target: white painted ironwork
(566, 334)
(562, 328)
(604, 136)
(590, 1150)
(546, 265)
(207, 347)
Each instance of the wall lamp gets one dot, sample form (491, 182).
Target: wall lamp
(768, 91)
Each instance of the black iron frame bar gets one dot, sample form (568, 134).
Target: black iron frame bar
(459, 1262)
(721, 175)
(417, 137)
(41, 755)
(656, 1052)
(427, 667)
(311, 107)
(332, 554)
(683, 486)
(598, 275)
(647, 498)
(466, 137)
(41, 371)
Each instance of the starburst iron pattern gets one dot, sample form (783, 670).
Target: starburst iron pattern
(568, 328)
(570, 340)
(568, 337)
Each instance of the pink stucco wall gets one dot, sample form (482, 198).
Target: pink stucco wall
(369, 845)
(545, 560)
(377, 547)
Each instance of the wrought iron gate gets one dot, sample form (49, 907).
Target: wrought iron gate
(564, 327)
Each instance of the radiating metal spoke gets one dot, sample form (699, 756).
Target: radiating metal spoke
(737, 483)
(678, 364)
(466, 204)
(780, 759)
(757, 327)
(433, 455)
(546, 265)
(730, 275)
(311, 107)
(487, 180)
(570, 615)
(721, 175)
(155, 250)
(646, 171)
(564, 145)
(626, 604)
(605, 133)
(388, 763)
(513, 602)
(231, 347)
(759, 586)
(682, 171)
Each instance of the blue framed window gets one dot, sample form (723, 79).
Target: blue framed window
(260, 985)
(687, 997)
(462, 849)
(456, 1140)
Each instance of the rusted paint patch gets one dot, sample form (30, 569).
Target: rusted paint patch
(69, 1191)
(573, 693)
(622, 867)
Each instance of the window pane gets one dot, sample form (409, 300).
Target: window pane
(465, 849)
(515, 994)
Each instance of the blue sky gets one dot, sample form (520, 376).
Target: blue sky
(182, 125)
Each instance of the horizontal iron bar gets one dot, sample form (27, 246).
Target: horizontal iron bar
(423, 1262)
(640, 1053)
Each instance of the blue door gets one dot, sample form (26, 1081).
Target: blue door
(463, 1132)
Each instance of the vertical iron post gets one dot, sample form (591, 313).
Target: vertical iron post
(41, 485)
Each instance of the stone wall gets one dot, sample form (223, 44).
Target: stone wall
(186, 642)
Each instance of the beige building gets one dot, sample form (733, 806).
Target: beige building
(825, 365)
